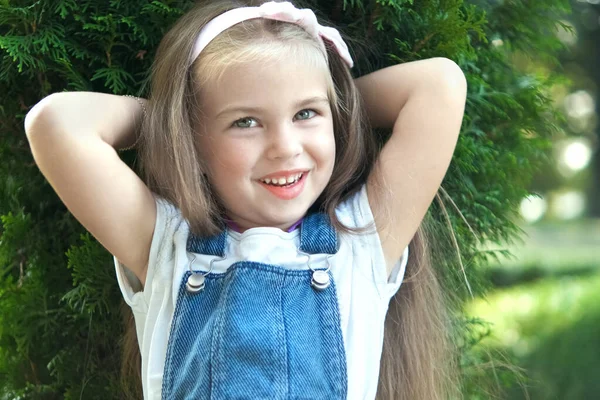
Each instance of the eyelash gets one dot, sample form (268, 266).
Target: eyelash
(245, 118)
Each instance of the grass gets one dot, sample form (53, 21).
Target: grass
(552, 328)
(549, 324)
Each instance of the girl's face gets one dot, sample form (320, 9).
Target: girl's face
(268, 121)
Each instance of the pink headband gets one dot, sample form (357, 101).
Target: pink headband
(281, 11)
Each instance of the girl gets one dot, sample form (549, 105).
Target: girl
(261, 250)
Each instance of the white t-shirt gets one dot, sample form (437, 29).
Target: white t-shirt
(358, 270)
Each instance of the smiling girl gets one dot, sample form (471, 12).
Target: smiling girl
(261, 249)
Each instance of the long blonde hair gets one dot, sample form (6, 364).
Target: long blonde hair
(416, 360)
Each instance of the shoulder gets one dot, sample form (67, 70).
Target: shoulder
(169, 220)
(168, 214)
(355, 212)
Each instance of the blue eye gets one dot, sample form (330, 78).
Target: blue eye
(246, 122)
(305, 114)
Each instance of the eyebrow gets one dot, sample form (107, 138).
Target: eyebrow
(301, 103)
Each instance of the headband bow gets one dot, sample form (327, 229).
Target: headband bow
(280, 11)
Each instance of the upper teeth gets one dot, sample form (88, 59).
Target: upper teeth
(283, 180)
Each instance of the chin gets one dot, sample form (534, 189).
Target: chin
(283, 216)
(288, 217)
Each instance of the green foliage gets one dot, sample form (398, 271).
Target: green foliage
(551, 328)
(59, 304)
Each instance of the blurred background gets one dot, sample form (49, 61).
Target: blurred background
(544, 307)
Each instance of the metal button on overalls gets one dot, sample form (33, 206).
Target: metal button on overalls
(258, 331)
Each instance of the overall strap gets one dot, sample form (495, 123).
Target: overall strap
(317, 236)
(209, 245)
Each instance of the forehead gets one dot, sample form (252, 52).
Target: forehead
(273, 83)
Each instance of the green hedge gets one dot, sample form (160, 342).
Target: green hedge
(60, 318)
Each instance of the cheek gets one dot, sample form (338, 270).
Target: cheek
(324, 146)
(228, 158)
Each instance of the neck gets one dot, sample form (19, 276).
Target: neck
(232, 225)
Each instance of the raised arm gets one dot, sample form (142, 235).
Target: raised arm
(424, 102)
(72, 137)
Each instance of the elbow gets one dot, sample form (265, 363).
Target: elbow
(452, 77)
(35, 115)
(453, 89)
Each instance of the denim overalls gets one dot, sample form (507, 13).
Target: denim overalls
(258, 331)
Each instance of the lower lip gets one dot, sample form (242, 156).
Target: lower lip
(287, 192)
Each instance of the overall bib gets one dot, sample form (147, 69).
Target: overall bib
(258, 331)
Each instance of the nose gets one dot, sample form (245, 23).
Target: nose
(284, 142)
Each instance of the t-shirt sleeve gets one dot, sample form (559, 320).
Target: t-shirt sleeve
(161, 249)
(356, 212)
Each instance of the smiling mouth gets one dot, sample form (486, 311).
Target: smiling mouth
(287, 191)
(284, 182)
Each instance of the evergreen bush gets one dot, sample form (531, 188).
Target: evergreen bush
(60, 308)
